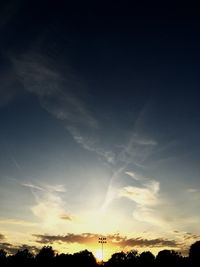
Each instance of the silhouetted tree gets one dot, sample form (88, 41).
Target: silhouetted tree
(45, 256)
(147, 259)
(23, 258)
(46, 253)
(24, 254)
(64, 259)
(117, 259)
(3, 254)
(84, 258)
(194, 254)
(132, 258)
(168, 258)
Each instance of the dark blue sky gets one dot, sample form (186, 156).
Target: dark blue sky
(99, 118)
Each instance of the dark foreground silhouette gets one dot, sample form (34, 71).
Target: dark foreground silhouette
(47, 257)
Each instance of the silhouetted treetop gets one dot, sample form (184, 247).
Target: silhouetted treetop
(46, 253)
(85, 258)
(24, 254)
(3, 254)
(194, 254)
(147, 258)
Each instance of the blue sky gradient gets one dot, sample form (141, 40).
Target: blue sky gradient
(100, 127)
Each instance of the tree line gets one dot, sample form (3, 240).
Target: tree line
(47, 257)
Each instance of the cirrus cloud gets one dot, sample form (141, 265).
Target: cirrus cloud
(147, 195)
(50, 206)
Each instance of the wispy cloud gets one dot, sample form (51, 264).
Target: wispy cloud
(62, 96)
(143, 141)
(133, 153)
(137, 149)
(92, 144)
(33, 186)
(133, 175)
(56, 188)
(145, 196)
(59, 94)
(147, 200)
(46, 188)
(49, 207)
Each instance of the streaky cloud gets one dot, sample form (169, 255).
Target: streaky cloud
(46, 187)
(92, 144)
(56, 188)
(116, 239)
(134, 152)
(32, 186)
(140, 140)
(133, 175)
(59, 94)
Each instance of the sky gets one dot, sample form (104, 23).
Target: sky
(99, 126)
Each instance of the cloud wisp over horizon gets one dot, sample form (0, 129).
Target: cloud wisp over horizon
(117, 240)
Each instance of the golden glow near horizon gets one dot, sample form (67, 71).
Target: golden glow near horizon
(131, 217)
(71, 243)
(98, 255)
(96, 249)
(62, 235)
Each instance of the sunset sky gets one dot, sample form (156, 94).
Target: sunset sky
(99, 126)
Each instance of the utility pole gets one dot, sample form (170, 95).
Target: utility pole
(102, 241)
